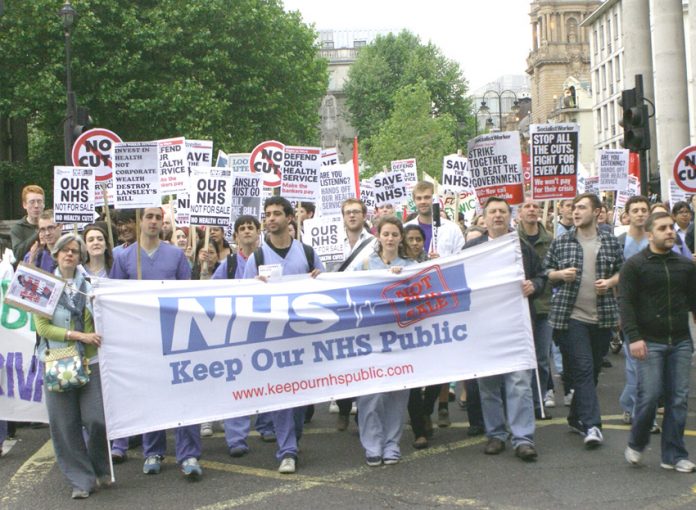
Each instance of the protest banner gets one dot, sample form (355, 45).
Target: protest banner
(455, 174)
(466, 203)
(172, 156)
(182, 209)
(495, 163)
(21, 376)
(300, 173)
(390, 188)
(217, 351)
(337, 183)
(267, 160)
(622, 196)
(136, 175)
(325, 235)
(554, 160)
(73, 194)
(93, 149)
(210, 196)
(592, 185)
(246, 196)
(612, 165)
(367, 195)
(410, 170)
(329, 157)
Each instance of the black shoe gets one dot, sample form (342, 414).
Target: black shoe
(475, 430)
(526, 452)
(537, 415)
(606, 363)
(309, 413)
(494, 446)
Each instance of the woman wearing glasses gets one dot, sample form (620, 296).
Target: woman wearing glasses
(83, 463)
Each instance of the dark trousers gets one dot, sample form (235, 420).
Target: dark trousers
(473, 403)
(421, 403)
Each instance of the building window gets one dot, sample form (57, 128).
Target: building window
(572, 30)
(598, 121)
(601, 37)
(595, 41)
(327, 45)
(359, 44)
(604, 77)
(616, 25)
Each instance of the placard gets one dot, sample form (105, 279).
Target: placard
(73, 194)
(34, 290)
(136, 175)
(390, 188)
(325, 235)
(210, 196)
(495, 163)
(246, 196)
(172, 156)
(337, 183)
(410, 170)
(554, 160)
(613, 169)
(300, 173)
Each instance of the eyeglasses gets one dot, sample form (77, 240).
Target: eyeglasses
(36, 201)
(50, 228)
(73, 251)
(349, 212)
(684, 211)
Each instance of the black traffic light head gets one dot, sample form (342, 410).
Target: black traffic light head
(83, 122)
(635, 121)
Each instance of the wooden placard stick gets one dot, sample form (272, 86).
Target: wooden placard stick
(138, 258)
(105, 192)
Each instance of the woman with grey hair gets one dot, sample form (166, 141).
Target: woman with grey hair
(84, 463)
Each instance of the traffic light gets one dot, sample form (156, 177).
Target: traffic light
(83, 122)
(635, 120)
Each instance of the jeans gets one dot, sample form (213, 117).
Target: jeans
(519, 405)
(584, 345)
(664, 372)
(543, 334)
(627, 400)
(381, 421)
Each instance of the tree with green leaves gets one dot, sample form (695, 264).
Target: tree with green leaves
(235, 72)
(390, 63)
(411, 131)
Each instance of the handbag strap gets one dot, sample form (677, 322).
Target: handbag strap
(352, 256)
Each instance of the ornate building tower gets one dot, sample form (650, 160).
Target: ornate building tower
(560, 50)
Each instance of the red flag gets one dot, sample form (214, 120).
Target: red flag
(356, 169)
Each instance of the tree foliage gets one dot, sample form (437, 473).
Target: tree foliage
(390, 63)
(412, 131)
(235, 72)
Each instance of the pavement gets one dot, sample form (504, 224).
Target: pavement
(452, 473)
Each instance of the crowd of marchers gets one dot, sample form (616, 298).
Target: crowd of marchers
(587, 289)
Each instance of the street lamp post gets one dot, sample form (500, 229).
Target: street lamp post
(69, 15)
(486, 110)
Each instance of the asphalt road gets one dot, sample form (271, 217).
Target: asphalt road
(452, 473)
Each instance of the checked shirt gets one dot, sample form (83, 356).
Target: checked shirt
(565, 251)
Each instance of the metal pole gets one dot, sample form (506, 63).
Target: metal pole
(70, 106)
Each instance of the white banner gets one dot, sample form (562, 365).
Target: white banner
(180, 353)
(21, 379)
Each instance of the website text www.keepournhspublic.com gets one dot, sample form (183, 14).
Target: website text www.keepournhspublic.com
(344, 379)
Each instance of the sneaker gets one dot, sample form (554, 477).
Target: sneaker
(287, 466)
(268, 438)
(206, 429)
(550, 399)
(576, 426)
(682, 466)
(342, 422)
(152, 465)
(333, 407)
(238, 451)
(655, 429)
(354, 408)
(79, 494)
(494, 446)
(568, 399)
(191, 468)
(633, 456)
(593, 438)
(104, 482)
(443, 419)
(374, 461)
(526, 452)
(626, 418)
(391, 461)
(118, 457)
